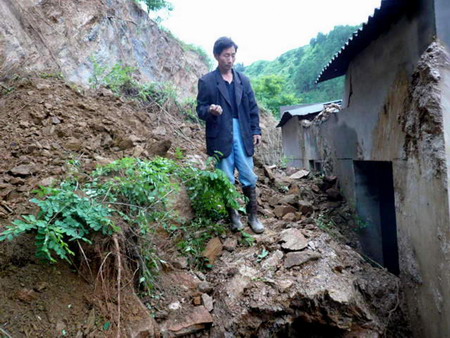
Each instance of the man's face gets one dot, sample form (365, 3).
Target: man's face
(226, 59)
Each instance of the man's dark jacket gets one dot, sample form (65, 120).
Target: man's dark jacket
(219, 129)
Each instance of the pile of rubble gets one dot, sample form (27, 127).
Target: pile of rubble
(302, 275)
(324, 115)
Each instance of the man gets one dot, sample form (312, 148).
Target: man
(226, 102)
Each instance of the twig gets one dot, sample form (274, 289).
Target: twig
(119, 275)
(5, 333)
(85, 258)
(397, 303)
(100, 270)
(7, 208)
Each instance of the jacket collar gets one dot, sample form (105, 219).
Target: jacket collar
(223, 89)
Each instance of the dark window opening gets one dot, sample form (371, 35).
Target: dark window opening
(375, 204)
(315, 165)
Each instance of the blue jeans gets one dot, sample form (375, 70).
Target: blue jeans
(239, 160)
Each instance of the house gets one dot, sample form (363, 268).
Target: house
(293, 118)
(390, 147)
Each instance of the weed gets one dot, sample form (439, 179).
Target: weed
(59, 76)
(65, 216)
(264, 253)
(327, 224)
(136, 193)
(247, 239)
(360, 223)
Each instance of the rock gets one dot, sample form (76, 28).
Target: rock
(290, 217)
(293, 240)
(268, 172)
(305, 207)
(208, 302)
(194, 321)
(55, 120)
(285, 284)
(230, 244)
(26, 295)
(274, 201)
(40, 287)
(315, 188)
(299, 174)
(213, 249)
(294, 190)
(205, 287)
(102, 160)
(197, 300)
(333, 194)
(60, 327)
(48, 181)
(137, 151)
(299, 258)
(291, 199)
(273, 261)
(282, 210)
(23, 170)
(267, 213)
(159, 148)
(180, 262)
(174, 306)
(160, 315)
(73, 144)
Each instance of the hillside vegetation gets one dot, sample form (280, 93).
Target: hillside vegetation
(296, 70)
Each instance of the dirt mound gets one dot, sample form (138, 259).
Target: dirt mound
(47, 128)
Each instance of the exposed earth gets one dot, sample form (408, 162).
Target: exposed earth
(303, 277)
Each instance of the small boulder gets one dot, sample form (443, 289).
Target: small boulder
(293, 240)
(299, 258)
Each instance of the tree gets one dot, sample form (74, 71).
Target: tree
(301, 67)
(271, 93)
(156, 5)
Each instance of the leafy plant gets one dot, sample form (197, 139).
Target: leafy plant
(137, 195)
(264, 253)
(119, 78)
(247, 239)
(66, 215)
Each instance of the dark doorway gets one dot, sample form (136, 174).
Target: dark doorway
(375, 204)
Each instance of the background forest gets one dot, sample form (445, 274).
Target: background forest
(290, 78)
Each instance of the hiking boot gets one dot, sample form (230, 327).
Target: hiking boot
(235, 218)
(252, 209)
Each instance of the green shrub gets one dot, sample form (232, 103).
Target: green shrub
(65, 216)
(136, 195)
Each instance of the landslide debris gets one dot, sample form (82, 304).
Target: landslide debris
(300, 277)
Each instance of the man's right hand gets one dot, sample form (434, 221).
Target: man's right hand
(215, 109)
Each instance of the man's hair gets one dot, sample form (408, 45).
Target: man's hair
(223, 43)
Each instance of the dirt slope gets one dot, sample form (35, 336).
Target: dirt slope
(64, 37)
